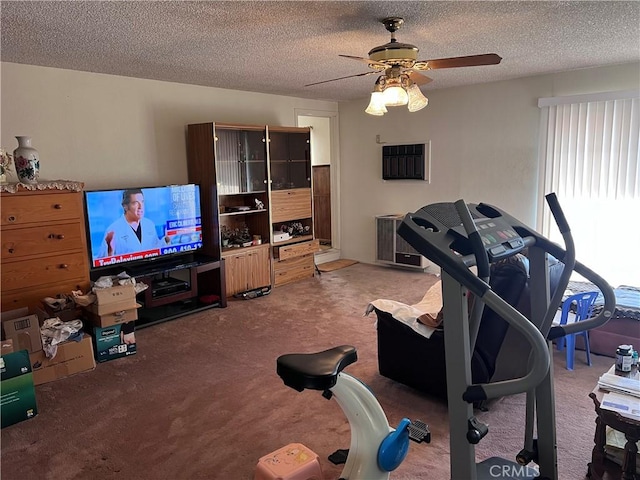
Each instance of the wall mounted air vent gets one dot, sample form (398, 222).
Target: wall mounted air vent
(405, 162)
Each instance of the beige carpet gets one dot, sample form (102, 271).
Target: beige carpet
(201, 399)
(336, 265)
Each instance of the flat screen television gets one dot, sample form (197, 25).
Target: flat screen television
(142, 224)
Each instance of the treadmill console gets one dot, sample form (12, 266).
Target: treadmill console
(499, 239)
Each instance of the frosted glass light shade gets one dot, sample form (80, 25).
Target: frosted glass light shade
(376, 105)
(395, 96)
(417, 101)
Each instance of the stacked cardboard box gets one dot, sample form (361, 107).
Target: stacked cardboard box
(73, 356)
(22, 329)
(113, 317)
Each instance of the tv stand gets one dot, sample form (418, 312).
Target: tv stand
(177, 287)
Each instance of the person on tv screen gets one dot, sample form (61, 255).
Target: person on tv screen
(132, 232)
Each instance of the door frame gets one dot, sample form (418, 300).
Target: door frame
(334, 163)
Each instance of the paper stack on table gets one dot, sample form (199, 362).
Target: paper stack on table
(625, 405)
(616, 383)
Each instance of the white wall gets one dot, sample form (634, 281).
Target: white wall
(484, 142)
(110, 132)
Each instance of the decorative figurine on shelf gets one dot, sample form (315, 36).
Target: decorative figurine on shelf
(226, 234)
(243, 237)
(5, 165)
(295, 229)
(259, 204)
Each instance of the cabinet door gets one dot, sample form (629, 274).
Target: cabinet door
(241, 160)
(290, 160)
(299, 160)
(259, 268)
(290, 205)
(228, 158)
(279, 160)
(236, 273)
(254, 163)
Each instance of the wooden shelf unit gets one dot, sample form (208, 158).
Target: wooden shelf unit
(230, 163)
(241, 166)
(291, 202)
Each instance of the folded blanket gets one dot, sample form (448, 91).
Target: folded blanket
(423, 317)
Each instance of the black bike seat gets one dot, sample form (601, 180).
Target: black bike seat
(316, 371)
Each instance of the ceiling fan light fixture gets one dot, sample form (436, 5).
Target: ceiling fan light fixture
(394, 94)
(376, 105)
(417, 101)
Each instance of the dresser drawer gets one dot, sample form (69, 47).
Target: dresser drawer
(18, 209)
(40, 271)
(297, 249)
(30, 297)
(47, 239)
(287, 205)
(293, 269)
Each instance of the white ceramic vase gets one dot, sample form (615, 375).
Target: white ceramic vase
(27, 161)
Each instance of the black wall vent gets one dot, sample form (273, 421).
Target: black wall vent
(403, 162)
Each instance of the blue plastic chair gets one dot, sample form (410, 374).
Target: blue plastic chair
(583, 310)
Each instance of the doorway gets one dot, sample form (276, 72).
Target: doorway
(325, 179)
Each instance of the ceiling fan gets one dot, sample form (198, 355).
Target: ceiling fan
(400, 71)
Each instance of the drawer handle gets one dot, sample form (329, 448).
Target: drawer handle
(58, 206)
(11, 250)
(58, 237)
(12, 218)
(64, 265)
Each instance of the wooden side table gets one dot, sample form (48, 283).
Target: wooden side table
(600, 464)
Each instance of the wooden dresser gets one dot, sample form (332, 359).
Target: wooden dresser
(44, 248)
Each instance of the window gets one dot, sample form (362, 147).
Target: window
(590, 157)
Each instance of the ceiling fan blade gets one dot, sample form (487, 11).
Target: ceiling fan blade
(369, 62)
(469, 61)
(342, 78)
(418, 78)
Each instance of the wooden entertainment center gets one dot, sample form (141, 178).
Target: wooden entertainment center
(255, 181)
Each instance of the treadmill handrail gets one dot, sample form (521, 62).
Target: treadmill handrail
(607, 292)
(540, 351)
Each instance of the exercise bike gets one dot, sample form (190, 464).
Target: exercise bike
(376, 448)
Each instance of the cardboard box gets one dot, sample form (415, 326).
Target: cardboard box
(23, 329)
(114, 318)
(18, 397)
(114, 299)
(72, 357)
(66, 315)
(115, 341)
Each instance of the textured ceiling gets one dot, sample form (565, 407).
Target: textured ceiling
(278, 47)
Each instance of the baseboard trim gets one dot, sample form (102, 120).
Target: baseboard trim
(326, 256)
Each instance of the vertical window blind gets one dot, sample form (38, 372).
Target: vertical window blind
(590, 157)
